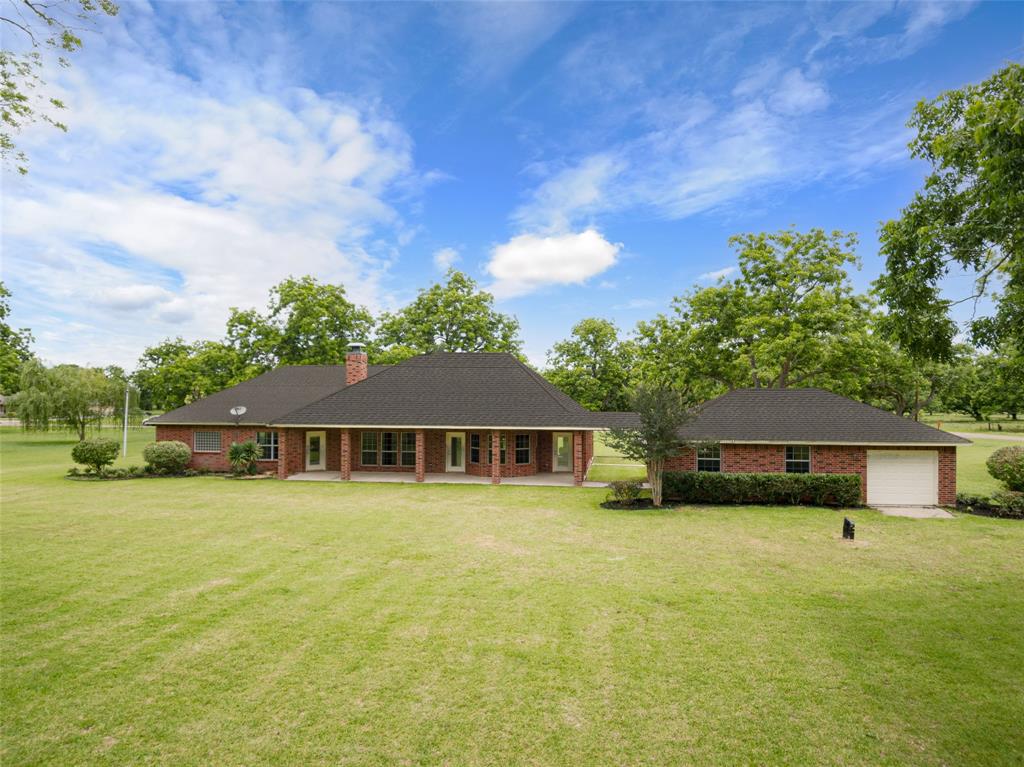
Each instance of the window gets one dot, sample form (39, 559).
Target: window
(389, 448)
(522, 448)
(798, 459)
(267, 440)
(408, 448)
(206, 442)
(368, 451)
(501, 447)
(709, 458)
(474, 448)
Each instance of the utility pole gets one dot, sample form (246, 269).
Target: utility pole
(124, 444)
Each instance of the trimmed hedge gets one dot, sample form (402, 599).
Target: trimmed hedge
(1004, 504)
(1007, 465)
(774, 488)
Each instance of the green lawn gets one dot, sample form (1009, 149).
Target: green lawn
(996, 424)
(212, 622)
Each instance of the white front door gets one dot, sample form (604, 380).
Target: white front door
(455, 451)
(903, 477)
(316, 450)
(561, 451)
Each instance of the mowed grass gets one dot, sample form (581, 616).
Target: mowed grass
(207, 621)
(996, 423)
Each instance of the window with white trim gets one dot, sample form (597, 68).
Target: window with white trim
(798, 459)
(408, 448)
(522, 448)
(389, 448)
(206, 442)
(267, 440)
(474, 448)
(709, 458)
(368, 448)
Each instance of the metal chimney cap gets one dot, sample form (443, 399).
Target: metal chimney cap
(357, 347)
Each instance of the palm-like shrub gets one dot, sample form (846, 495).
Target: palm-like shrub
(243, 456)
(1007, 465)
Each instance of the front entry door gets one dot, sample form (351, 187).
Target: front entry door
(561, 449)
(455, 452)
(316, 450)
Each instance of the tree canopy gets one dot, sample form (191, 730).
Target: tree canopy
(14, 347)
(790, 319)
(174, 373)
(454, 316)
(593, 365)
(969, 215)
(74, 397)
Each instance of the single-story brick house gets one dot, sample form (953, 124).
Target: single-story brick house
(484, 414)
(447, 413)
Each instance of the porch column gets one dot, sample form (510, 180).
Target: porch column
(421, 456)
(577, 458)
(282, 454)
(495, 457)
(346, 454)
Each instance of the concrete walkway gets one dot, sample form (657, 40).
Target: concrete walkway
(988, 435)
(450, 478)
(915, 512)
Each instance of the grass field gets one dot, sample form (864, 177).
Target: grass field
(996, 424)
(205, 621)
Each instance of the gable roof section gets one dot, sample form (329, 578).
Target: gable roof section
(265, 397)
(800, 416)
(480, 389)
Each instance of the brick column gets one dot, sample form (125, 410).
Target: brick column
(282, 454)
(577, 458)
(421, 455)
(495, 457)
(346, 454)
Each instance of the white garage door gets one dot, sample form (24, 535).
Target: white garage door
(903, 477)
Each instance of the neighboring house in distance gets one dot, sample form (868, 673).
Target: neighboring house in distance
(482, 414)
(900, 462)
(489, 415)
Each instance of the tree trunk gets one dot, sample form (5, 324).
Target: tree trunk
(655, 474)
(81, 431)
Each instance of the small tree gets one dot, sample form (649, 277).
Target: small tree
(662, 413)
(95, 453)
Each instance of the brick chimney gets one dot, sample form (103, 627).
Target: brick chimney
(355, 364)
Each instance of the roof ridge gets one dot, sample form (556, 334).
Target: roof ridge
(544, 383)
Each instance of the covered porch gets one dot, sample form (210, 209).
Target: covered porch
(463, 455)
(544, 479)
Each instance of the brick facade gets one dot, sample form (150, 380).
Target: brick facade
(213, 461)
(825, 459)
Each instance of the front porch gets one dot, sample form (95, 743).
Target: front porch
(545, 479)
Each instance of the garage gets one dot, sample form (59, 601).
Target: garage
(903, 477)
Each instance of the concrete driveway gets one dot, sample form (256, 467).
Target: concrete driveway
(915, 512)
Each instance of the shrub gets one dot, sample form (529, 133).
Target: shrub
(810, 489)
(95, 453)
(169, 457)
(624, 491)
(1005, 504)
(243, 456)
(74, 471)
(1007, 465)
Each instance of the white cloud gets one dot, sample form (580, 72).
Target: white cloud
(445, 258)
(529, 262)
(566, 195)
(174, 198)
(798, 95)
(718, 274)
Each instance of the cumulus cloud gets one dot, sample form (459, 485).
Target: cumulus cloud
(174, 198)
(529, 262)
(445, 258)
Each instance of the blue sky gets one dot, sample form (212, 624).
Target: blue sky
(577, 160)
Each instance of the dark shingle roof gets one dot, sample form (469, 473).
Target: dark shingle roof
(805, 415)
(265, 397)
(450, 389)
